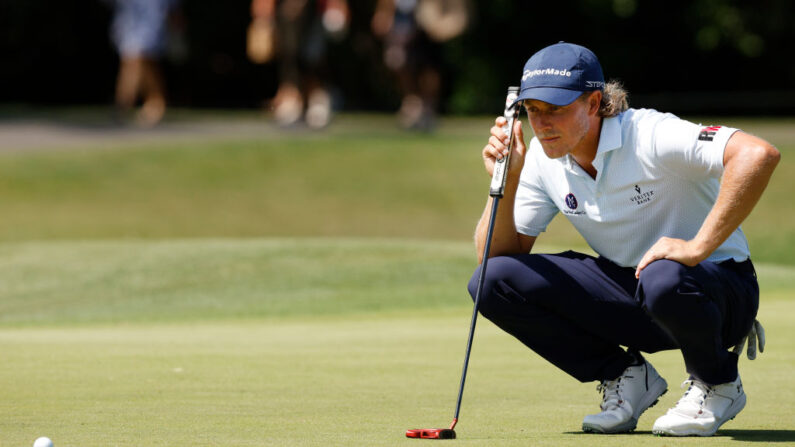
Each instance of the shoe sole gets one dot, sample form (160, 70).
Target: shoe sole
(632, 423)
(733, 411)
(626, 427)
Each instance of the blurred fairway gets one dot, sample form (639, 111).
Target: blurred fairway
(293, 288)
(363, 177)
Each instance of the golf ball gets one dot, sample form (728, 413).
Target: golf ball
(43, 442)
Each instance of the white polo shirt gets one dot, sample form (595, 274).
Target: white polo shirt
(657, 175)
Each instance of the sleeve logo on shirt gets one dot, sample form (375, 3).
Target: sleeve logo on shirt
(708, 133)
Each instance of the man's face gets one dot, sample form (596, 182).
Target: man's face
(559, 128)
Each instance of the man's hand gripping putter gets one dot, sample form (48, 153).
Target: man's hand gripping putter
(501, 166)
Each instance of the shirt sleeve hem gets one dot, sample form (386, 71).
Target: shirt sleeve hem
(529, 231)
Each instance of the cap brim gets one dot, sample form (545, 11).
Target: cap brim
(551, 95)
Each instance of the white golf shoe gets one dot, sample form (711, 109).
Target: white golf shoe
(625, 399)
(702, 410)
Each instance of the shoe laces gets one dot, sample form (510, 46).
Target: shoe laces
(696, 395)
(611, 393)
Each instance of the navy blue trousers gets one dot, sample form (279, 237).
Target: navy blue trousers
(578, 311)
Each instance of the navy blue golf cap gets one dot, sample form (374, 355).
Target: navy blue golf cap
(560, 73)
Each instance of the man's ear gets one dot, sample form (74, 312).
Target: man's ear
(594, 101)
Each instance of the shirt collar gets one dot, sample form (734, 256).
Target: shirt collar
(609, 139)
(610, 136)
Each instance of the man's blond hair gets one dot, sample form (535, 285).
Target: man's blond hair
(614, 100)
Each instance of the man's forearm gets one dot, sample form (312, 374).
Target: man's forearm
(744, 180)
(505, 239)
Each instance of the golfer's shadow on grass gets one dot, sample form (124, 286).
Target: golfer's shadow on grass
(736, 435)
(759, 435)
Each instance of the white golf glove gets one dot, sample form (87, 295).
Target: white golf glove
(756, 336)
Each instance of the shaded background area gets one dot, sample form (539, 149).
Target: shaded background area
(701, 56)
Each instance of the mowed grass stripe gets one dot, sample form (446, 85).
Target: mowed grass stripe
(97, 282)
(359, 380)
(134, 281)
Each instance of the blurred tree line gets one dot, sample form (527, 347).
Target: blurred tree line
(684, 56)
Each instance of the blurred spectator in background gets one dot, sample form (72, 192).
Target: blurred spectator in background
(412, 30)
(138, 31)
(297, 33)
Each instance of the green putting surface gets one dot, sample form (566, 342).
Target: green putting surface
(154, 364)
(218, 283)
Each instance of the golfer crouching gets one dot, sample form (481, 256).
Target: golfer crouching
(660, 200)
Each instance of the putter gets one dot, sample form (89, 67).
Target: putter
(496, 191)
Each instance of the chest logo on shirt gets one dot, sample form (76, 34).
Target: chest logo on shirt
(642, 196)
(708, 133)
(571, 201)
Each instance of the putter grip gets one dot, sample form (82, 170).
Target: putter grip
(511, 112)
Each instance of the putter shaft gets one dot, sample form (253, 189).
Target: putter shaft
(481, 278)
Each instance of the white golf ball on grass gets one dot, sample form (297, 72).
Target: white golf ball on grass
(42, 442)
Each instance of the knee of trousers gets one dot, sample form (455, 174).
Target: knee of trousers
(661, 284)
(496, 297)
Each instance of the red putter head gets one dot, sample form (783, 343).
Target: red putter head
(431, 433)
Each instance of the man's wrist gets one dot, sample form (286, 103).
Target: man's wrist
(511, 184)
(701, 249)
